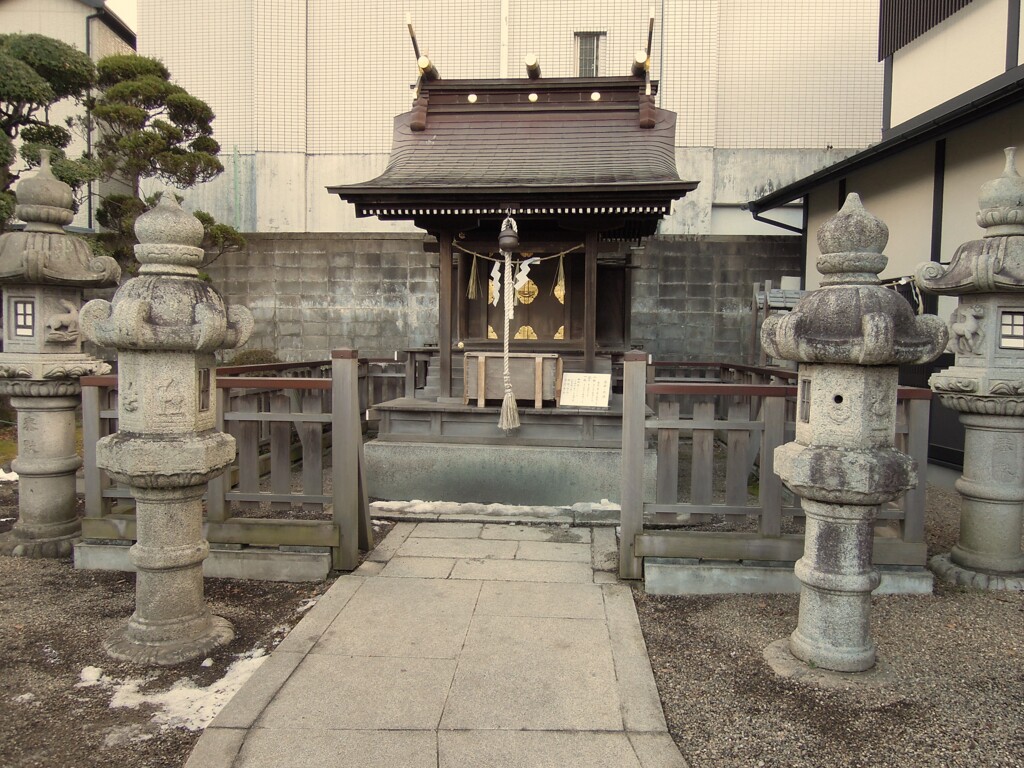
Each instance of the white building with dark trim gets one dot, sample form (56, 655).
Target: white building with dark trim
(953, 99)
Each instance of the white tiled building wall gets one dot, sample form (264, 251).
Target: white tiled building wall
(310, 87)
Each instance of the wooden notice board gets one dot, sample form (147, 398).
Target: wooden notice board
(586, 390)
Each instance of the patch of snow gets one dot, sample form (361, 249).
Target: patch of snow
(308, 603)
(185, 705)
(89, 676)
(8, 477)
(206, 663)
(24, 698)
(466, 508)
(7, 519)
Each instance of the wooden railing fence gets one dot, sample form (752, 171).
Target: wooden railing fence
(279, 414)
(737, 415)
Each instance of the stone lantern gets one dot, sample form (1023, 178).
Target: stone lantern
(849, 337)
(166, 324)
(42, 272)
(986, 385)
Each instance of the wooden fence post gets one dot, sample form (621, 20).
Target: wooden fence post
(351, 514)
(92, 430)
(280, 449)
(634, 415)
(917, 448)
(216, 508)
(702, 459)
(774, 409)
(311, 435)
(668, 455)
(650, 375)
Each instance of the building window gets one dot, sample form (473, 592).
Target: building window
(24, 318)
(588, 53)
(1011, 334)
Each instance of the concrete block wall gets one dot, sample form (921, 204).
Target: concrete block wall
(692, 294)
(310, 293)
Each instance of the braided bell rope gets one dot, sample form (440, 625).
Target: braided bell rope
(509, 418)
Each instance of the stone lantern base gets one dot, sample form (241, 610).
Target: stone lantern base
(146, 642)
(944, 567)
(48, 524)
(988, 552)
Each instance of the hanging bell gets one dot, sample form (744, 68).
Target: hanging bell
(508, 240)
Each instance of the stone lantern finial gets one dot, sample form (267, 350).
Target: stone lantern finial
(168, 224)
(849, 336)
(45, 203)
(1001, 201)
(851, 245)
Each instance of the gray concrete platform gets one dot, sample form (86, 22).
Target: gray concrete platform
(263, 563)
(519, 474)
(689, 576)
(458, 644)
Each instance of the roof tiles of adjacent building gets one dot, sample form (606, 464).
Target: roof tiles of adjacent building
(547, 146)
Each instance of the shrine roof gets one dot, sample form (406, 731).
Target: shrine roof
(548, 145)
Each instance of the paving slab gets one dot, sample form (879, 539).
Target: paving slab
(605, 550)
(520, 673)
(523, 570)
(458, 548)
(535, 749)
(447, 530)
(641, 705)
(310, 748)
(656, 750)
(246, 706)
(320, 616)
(550, 550)
(386, 549)
(419, 618)
(418, 568)
(217, 748)
(557, 533)
(540, 600)
(453, 646)
(331, 692)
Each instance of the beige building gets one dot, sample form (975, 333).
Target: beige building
(305, 90)
(86, 24)
(953, 99)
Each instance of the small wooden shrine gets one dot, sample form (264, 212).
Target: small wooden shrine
(584, 166)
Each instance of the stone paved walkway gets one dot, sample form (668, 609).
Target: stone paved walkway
(458, 644)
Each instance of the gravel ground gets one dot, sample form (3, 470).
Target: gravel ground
(52, 622)
(954, 695)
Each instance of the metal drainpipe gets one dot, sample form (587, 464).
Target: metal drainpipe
(661, 55)
(781, 224)
(88, 125)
